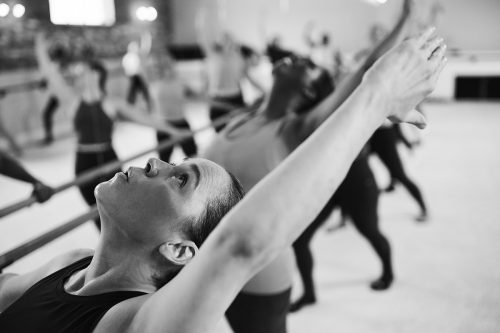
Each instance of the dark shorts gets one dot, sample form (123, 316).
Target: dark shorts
(187, 145)
(255, 313)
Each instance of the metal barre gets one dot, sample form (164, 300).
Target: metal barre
(11, 256)
(108, 167)
(20, 87)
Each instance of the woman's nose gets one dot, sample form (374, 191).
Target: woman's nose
(155, 165)
(152, 167)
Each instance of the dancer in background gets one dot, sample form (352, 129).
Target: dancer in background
(225, 68)
(60, 53)
(95, 115)
(134, 64)
(384, 144)
(168, 93)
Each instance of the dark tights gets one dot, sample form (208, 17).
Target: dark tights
(383, 143)
(188, 145)
(357, 196)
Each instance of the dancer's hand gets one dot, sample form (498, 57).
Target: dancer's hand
(42, 192)
(407, 74)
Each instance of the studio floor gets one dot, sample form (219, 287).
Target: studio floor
(447, 270)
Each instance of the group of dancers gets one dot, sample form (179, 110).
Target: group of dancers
(180, 245)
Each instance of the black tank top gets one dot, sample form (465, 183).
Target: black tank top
(92, 124)
(47, 307)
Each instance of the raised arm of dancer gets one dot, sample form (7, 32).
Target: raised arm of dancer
(50, 69)
(274, 212)
(312, 120)
(133, 114)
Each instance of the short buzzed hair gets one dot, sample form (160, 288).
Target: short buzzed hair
(198, 229)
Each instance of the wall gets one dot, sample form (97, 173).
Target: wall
(255, 21)
(467, 24)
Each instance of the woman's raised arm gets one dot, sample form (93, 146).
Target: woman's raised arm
(279, 208)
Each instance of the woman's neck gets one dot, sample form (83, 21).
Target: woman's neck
(115, 266)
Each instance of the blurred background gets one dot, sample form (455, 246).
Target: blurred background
(447, 268)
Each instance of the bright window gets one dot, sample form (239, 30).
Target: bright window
(82, 12)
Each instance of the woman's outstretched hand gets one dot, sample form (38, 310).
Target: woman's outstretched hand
(407, 74)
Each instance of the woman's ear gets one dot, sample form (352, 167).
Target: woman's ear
(178, 252)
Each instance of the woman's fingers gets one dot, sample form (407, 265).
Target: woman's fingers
(432, 45)
(438, 60)
(438, 54)
(424, 37)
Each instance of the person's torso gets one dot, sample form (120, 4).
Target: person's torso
(92, 124)
(47, 307)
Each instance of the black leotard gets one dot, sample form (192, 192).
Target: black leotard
(47, 307)
(383, 143)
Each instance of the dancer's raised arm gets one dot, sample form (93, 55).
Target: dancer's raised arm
(274, 212)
